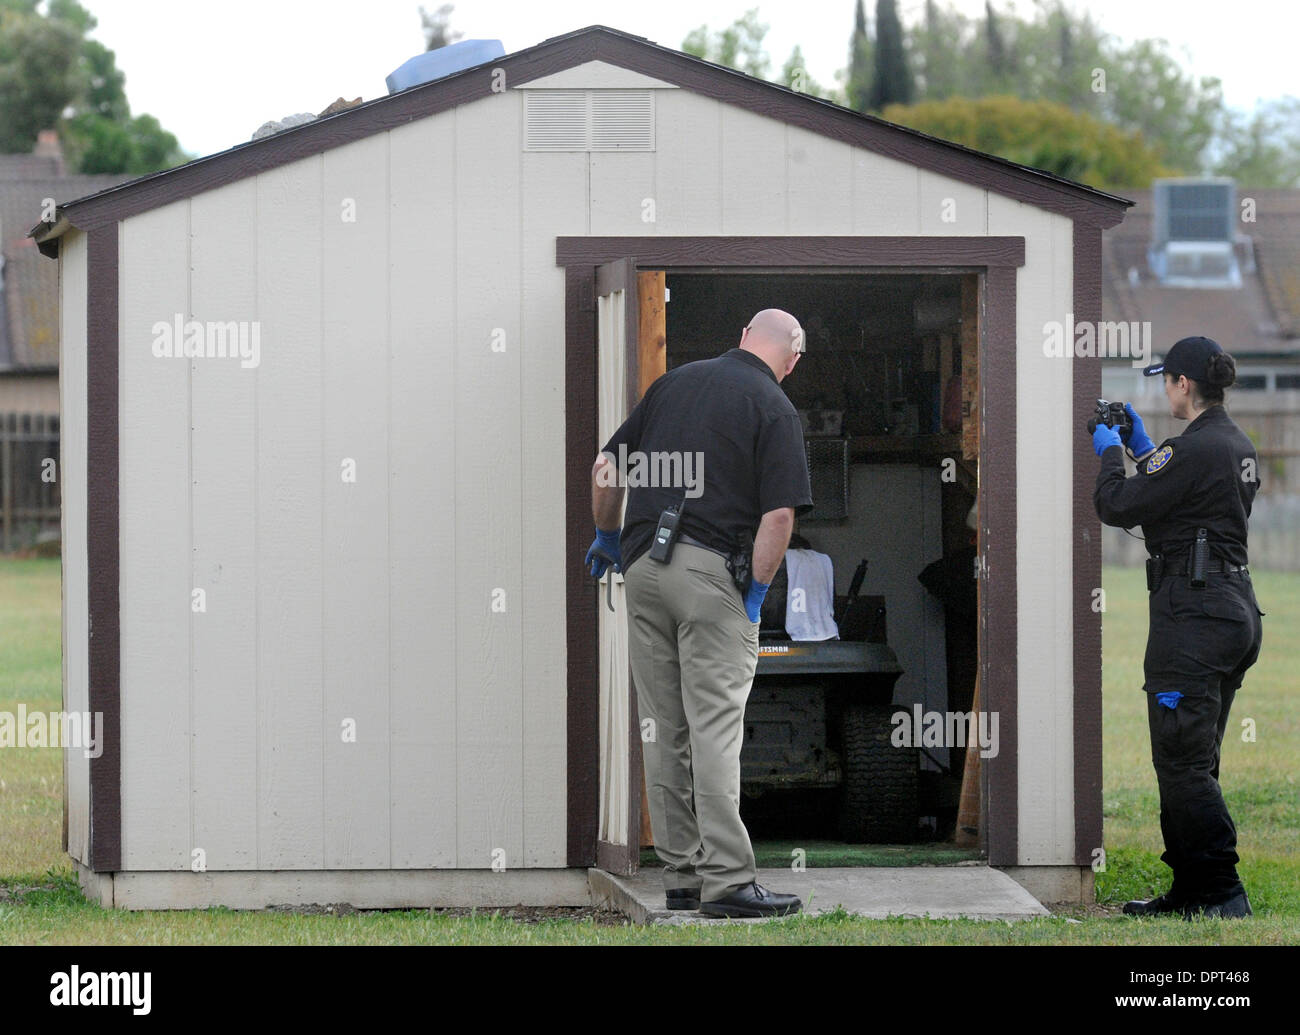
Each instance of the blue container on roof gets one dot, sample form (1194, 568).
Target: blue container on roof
(435, 64)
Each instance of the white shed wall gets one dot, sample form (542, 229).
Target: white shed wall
(1044, 542)
(72, 485)
(425, 602)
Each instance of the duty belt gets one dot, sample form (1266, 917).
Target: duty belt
(690, 540)
(1179, 567)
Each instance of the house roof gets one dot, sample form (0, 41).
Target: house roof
(594, 43)
(29, 166)
(1260, 318)
(29, 302)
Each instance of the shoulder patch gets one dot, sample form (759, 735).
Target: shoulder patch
(1159, 458)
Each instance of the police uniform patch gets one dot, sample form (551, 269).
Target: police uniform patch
(1159, 458)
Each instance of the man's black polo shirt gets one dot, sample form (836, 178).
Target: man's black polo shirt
(720, 432)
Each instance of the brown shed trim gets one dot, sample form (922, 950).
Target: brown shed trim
(103, 617)
(580, 433)
(793, 251)
(999, 640)
(1086, 562)
(998, 617)
(1044, 190)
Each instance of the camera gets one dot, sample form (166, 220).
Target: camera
(1112, 414)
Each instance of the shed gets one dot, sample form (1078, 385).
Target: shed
(327, 591)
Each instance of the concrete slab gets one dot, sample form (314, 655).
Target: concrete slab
(974, 892)
(363, 889)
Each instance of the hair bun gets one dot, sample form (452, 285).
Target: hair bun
(1220, 370)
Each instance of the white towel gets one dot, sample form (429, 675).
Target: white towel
(810, 596)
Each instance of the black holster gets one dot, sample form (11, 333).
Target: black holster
(1155, 572)
(740, 564)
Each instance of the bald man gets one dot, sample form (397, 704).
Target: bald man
(727, 428)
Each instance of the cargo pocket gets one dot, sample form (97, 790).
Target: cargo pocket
(1227, 607)
(721, 582)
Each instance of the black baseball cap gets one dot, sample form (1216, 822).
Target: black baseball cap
(1188, 356)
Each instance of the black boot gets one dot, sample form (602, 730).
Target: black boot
(1161, 904)
(1236, 906)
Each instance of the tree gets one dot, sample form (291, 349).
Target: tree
(794, 74)
(995, 47)
(857, 86)
(38, 73)
(1056, 55)
(892, 82)
(53, 76)
(1262, 149)
(437, 27)
(1041, 134)
(933, 43)
(739, 46)
(1148, 91)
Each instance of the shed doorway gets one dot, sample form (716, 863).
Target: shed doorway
(888, 392)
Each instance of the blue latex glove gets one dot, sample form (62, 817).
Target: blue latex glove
(754, 598)
(1104, 437)
(1138, 441)
(604, 552)
(1169, 698)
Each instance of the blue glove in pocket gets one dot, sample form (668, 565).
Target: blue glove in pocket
(1169, 698)
(754, 599)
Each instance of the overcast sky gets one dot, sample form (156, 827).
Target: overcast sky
(212, 72)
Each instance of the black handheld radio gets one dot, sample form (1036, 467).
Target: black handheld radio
(666, 531)
(1200, 560)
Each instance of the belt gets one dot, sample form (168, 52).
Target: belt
(1213, 568)
(690, 540)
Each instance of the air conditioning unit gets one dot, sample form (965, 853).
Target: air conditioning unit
(1193, 226)
(1193, 210)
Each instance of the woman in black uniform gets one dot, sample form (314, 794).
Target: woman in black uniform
(1205, 628)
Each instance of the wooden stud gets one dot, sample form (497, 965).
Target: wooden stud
(652, 361)
(969, 337)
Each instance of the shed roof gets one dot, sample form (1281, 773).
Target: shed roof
(594, 43)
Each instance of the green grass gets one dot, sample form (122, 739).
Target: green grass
(40, 902)
(31, 781)
(1258, 778)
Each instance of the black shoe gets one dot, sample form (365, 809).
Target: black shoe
(683, 898)
(1155, 906)
(752, 900)
(1237, 906)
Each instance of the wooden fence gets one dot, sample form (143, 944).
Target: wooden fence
(29, 478)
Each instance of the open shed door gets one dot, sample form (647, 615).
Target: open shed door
(618, 841)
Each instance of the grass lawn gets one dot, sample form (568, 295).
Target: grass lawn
(41, 904)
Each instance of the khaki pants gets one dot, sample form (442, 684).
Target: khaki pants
(693, 651)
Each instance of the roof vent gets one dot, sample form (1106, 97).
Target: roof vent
(435, 64)
(589, 120)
